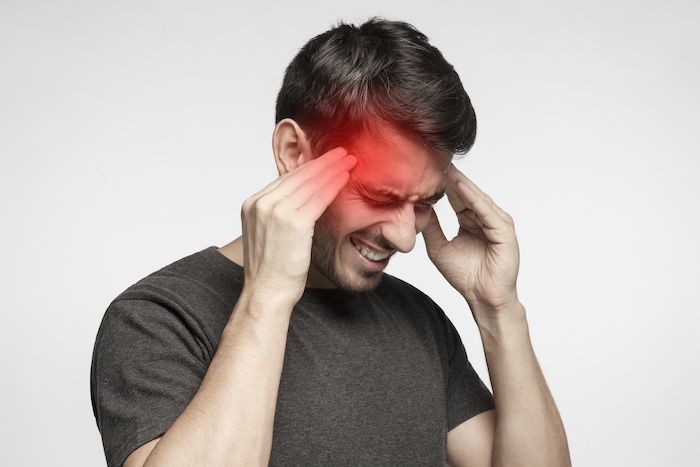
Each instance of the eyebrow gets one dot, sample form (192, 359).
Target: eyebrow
(386, 192)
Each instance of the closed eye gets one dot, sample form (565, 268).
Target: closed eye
(374, 199)
(378, 197)
(377, 202)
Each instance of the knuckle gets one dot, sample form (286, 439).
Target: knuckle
(247, 204)
(263, 205)
(277, 210)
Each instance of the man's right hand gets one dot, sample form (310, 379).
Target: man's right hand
(278, 225)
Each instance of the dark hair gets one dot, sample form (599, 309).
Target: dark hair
(352, 79)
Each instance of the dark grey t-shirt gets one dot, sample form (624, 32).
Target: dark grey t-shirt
(375, 378)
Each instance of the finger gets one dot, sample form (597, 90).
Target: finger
(290, 181)
(469, 221)
(278, 192)
(307, 170)
(267, 189)
(308, 188)
(455, 176)
(453, 197)
(323, 196)
(494, 226)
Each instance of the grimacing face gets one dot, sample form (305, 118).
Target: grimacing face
(384, 205)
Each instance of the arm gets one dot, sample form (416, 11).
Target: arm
(482, 262)
(230, 418)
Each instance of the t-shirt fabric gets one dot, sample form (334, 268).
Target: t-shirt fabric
(375, 378)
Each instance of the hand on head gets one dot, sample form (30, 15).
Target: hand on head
(482, 260)
(278, 222)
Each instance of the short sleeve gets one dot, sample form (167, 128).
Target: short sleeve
(467, 395)
(147, 365)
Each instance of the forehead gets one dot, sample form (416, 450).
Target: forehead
(400, 163)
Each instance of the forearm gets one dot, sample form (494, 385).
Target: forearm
(529, 430)
(230, 419)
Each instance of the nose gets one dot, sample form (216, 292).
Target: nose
(401, 229)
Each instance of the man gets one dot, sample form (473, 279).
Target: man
(290, 346)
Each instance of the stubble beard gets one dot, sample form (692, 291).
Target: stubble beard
(323, 258)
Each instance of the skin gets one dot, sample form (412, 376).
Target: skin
(304, 230)
(386, 202)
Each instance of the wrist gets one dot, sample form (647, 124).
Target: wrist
(505, 324)
(266, 305)
(496, 311)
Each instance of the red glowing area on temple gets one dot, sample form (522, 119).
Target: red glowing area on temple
(397, 167)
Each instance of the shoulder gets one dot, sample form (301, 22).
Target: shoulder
(204, 271)
(192, 296)
(202, 281)
(153, 348)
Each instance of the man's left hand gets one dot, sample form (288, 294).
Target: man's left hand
(482, 261)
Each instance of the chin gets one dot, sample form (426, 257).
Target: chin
(335, 258)
(344, 278)
(364, 284)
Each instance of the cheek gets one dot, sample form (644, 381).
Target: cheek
(346, 213)
(350, 206)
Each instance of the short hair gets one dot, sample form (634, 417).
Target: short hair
(352, 80)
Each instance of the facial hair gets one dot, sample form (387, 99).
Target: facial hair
(325, 244)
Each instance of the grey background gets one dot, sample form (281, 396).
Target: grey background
(131, 131)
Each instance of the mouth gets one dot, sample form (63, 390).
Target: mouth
(369, 252)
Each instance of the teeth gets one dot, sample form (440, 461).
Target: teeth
(372, 255)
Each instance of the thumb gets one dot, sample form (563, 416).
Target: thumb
(434, 236)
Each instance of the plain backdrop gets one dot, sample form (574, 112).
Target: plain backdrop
(131, 131)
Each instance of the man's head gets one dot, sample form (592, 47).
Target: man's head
(385, 94)
(350, 80)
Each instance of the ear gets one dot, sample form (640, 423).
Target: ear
(290, 146)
